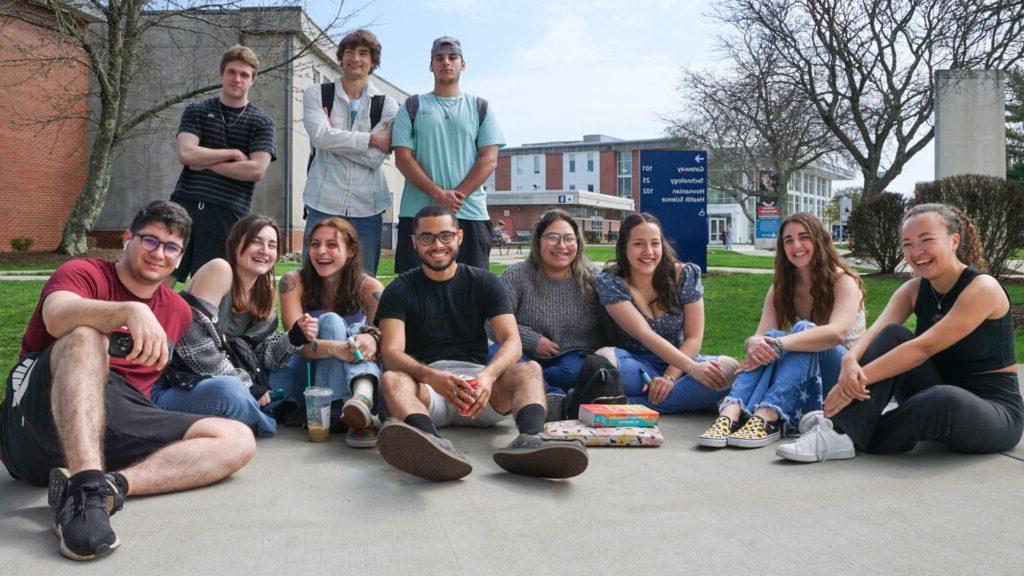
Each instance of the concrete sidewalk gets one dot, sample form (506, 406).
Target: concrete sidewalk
(328, 509)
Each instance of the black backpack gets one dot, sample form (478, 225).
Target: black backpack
(327, 99)
(597, 383)
(412, 106)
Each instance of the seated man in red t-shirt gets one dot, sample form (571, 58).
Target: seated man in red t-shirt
(72, 404)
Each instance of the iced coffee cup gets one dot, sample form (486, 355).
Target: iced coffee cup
(318, 413)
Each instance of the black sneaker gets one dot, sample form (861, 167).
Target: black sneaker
(59, 484)
(534, 455)
(82, 521)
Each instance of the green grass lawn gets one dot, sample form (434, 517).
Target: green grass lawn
(733, 304)
(716, 257)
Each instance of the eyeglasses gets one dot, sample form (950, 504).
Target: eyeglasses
(151, 243)
(553, 239)
(427, 239)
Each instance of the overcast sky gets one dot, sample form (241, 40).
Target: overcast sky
(559, 69)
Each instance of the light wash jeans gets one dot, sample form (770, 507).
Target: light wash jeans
(793, 385)
(687, 395)
(560, 372)
(369, 229)
(328, 372)
(224, 396)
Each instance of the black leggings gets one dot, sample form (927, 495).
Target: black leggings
(979, 414)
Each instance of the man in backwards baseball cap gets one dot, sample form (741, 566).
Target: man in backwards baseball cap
(446, 45)
(446, 145)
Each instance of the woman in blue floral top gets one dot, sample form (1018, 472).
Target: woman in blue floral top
(658, 308)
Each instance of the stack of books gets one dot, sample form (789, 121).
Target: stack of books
(610, 425)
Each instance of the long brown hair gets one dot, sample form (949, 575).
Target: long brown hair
(260, 303)
(664, 280)
(826, 267)
(314, 289)
(970, 250)
(581, 269)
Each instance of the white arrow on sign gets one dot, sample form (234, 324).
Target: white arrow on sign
(699, 158)
(701, 213)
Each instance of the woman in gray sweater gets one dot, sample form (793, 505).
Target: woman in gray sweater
(553, 298)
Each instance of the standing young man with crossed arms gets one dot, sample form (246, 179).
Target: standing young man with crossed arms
(446, 150)
(345, 178)
(225, 145)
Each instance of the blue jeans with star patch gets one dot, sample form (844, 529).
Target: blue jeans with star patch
(792, 386)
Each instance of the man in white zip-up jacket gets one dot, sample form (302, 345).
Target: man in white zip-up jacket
(345, 178)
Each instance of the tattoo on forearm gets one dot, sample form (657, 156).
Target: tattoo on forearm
(313, 345)
(287, 284)
(377, 295)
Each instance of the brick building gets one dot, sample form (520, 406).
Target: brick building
(44, 163)
(597, 180)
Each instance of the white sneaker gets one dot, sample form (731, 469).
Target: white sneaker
(810, 420)
(818, 444)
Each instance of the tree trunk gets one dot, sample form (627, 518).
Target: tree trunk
(90, 203)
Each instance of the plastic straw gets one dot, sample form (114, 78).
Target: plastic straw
(309, 374)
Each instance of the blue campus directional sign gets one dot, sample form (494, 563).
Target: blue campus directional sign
(674, 187)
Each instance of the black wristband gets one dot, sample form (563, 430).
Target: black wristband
(296, 336)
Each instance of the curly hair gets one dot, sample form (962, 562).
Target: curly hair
(361, 38)
(260, 303)
(581, 269)
(346, 295)
(826, 268)
(970, 250)
(664, 280)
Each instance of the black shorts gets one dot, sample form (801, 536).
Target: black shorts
(210, 227)
(30, 447)
(475, 249)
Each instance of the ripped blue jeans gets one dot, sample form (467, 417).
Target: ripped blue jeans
(792, 386)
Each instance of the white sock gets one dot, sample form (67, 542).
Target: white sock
(363, 386)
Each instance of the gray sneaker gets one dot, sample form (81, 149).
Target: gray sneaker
(533, 455)
(415, 452)
(818, 444)
(556, 404)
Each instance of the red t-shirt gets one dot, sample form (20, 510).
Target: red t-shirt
(97, 280)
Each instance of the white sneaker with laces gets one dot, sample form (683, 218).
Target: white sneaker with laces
(818, 444)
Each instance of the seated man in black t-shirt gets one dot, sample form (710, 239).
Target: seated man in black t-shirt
(435, 349)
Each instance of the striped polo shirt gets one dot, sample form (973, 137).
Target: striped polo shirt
(247, 129)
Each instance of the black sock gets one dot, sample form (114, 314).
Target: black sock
(530, 419)
(84, 477)
(121, 481)
(422, 422)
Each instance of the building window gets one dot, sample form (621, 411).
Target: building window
(590, 161)
(536, 164)
(572, 186)
(316, 77)
(572, 162)
(519, 165)
(624, 170)
(590, 187)
(506, 213)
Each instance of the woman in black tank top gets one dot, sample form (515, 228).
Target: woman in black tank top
(955, 380)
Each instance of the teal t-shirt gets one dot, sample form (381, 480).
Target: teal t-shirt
(448, 134)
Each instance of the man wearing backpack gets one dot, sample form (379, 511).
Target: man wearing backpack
(349, 127)
(446, 145)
